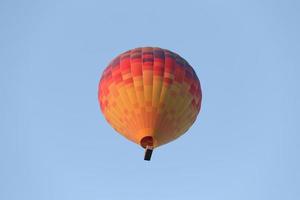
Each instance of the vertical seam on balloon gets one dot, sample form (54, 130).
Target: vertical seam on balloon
(110, 108)
(181, 100)
(163, 122)
(157, 123)
(110, 111)
(148, 119)
(141, 100)
(128, 125)
(135, 117)
(184, 111)
(114, 111)
(151, 116)
(173, 103)
(142, 68)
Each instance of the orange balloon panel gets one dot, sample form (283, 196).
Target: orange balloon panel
(150, 93)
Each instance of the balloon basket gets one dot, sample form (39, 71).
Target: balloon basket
(148, 153)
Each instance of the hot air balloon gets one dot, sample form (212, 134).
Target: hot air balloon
(150, 95)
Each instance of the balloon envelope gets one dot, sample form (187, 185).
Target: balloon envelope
(150, 95)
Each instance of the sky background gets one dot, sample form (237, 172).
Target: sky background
(56, 145)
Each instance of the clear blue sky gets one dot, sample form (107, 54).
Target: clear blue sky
(56, 145)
